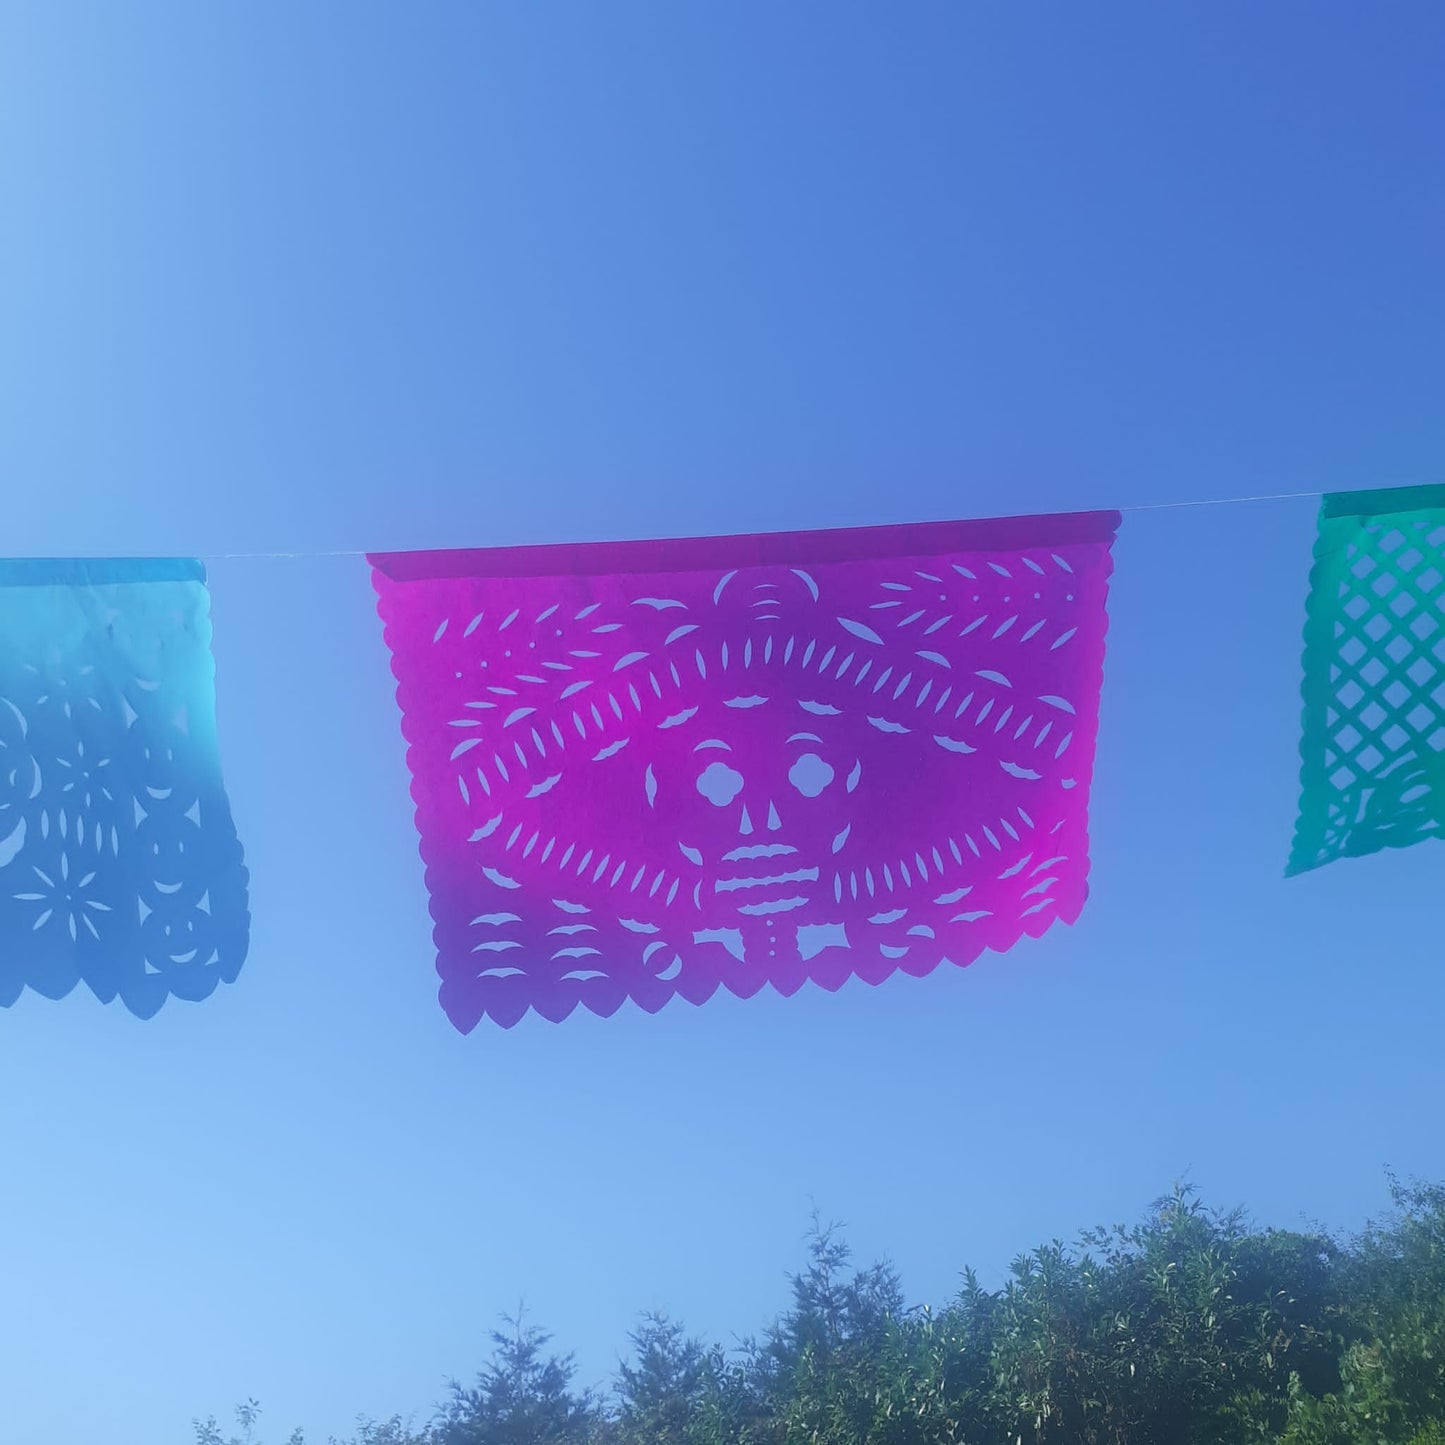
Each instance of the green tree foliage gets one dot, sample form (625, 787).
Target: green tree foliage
(208, 1432)
(524, 1396)
(394, 1431)
(1183, 1329)
(661, 1389)
(1392, 1367)
(1188, 1328)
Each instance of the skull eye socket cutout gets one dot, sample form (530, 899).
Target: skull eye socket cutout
(719, 784)
(810, 775)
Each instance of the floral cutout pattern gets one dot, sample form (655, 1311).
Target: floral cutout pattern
(119, 862)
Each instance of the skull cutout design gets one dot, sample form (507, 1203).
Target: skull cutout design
(816, 766)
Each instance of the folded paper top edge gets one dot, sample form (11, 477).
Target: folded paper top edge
(686, 554)
(1381, 501)
(97, 571)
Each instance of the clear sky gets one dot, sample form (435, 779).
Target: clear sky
(305, 277)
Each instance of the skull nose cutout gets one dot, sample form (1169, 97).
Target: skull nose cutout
(810, 775)
(719, 784)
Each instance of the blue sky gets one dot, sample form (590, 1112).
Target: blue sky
(322, 277)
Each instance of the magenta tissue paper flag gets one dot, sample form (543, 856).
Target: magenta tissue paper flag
(645, 770)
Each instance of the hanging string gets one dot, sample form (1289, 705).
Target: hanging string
(284, 556)
(1222, 501)
(1138, 507)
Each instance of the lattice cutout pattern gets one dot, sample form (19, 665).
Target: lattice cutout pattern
(1373, 751)
(119, 862)
(652, 770)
